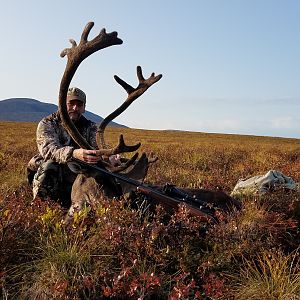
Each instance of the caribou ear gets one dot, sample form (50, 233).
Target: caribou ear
(76, 167)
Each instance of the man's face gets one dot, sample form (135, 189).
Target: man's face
(75, 109)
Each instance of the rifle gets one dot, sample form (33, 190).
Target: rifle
(169, 198)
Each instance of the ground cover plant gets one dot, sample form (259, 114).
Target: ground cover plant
(113, 253)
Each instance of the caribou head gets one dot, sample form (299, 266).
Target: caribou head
(88, 185)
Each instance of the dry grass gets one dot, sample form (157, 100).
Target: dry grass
(202, 159)
(271, 276)
(17, 146)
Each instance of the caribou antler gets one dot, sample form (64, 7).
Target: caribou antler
(76, 54)
(133, 94)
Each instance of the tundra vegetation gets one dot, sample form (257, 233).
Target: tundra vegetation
(113, 253)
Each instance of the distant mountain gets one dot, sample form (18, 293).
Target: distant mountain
(31, 110)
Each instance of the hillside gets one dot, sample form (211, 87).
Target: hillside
(31, 110)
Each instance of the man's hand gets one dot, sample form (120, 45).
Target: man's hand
(89, 156)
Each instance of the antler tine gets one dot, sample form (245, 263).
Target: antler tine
(133, 94)
(120, 148)
(76, 54)
(86, 32)
(152, 158)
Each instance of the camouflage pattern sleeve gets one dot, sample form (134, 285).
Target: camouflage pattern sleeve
(92, 135)
(50, 144)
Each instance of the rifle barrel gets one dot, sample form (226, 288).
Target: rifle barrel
(159, 198)
(106, 172)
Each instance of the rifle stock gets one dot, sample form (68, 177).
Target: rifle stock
(155, 196)
(172, 203)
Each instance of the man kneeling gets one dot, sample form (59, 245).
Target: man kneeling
(48, 171)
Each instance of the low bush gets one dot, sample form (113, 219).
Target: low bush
(115, 252)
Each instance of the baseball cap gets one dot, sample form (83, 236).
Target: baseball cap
(75, 93)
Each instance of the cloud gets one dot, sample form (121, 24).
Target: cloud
(287, 101)
(284, 122)
(216, 125)
(223, 125)
(285, 126)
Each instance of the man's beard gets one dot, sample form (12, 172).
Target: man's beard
(74, 116)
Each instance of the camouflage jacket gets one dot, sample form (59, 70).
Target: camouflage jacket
(55, 143)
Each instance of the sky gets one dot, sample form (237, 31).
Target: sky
(228, 66)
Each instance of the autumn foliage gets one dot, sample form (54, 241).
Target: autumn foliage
(116, 252)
